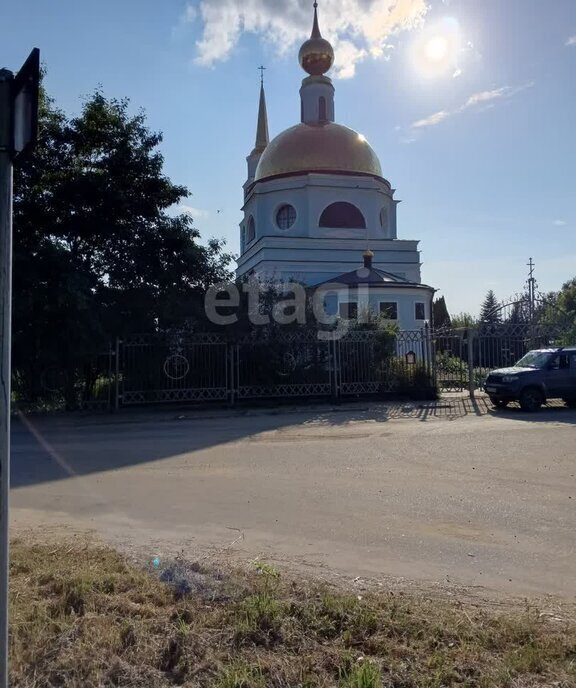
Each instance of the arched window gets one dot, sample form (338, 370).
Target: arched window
(322, 109)
(242, 237)
(251, 233)
(342, 215)
(384, 219)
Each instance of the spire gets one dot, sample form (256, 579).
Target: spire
(262, 136)
(315, 28)
(316, 55)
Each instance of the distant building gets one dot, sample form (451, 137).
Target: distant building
(317, 209)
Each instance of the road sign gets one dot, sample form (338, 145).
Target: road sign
(25, 89)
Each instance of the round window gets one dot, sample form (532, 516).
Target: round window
(286, 216)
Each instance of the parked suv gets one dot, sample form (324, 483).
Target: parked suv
(540, 375)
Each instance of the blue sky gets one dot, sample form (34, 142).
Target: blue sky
(470, 105)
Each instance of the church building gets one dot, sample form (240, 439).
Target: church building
(318, 210)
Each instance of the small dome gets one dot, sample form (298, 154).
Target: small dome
(316, 56)
(323, 147)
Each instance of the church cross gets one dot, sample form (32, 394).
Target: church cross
(262, 68)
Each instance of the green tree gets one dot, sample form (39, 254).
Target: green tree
(440, 315)
(559, 311)
(488, 313)
(461, 320)
(567, 297)
(98, 251)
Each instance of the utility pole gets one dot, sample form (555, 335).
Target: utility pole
(531, 290)
(18, 134)
(6, 81)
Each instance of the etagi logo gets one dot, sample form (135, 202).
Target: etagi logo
(286, 304)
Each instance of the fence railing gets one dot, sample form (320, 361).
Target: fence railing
(163, 368)
(155, 369)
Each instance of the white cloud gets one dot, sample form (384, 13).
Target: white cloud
(357, 28)
(560, 223)
(484, 98)
(571, 41)
(431, 120)
(196, 213)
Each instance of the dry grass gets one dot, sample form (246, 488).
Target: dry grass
(84, 617)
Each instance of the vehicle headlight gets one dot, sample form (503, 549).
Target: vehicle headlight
(509, 378)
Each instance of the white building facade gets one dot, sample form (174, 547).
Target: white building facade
(315, 201)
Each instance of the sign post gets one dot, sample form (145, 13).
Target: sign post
(18, 133)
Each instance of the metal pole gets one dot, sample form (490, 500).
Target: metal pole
(117, 376)
(6, 78)
(471, 380)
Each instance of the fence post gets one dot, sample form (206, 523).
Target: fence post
(117, 377)
(471, 380)
(334, 344)
(232, 368)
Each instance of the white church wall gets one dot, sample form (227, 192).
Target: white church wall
(369, 299)
(310, 195)
(314, 260)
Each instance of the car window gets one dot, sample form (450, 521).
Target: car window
(560, 362)
(534, 359)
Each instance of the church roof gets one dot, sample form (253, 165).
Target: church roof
(372, 277)
(323, 147)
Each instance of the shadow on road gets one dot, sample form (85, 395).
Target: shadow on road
(56, 448)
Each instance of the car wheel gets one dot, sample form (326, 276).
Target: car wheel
(531, 399)
(570, 403)
(499, 403)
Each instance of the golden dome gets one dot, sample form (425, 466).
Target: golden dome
(322, 147)
(316, 55)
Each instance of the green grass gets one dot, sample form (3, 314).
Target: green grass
(84, 616)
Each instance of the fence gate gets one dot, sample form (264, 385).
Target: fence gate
(450, 352)
(285, 365)
(160, 368)
(369, 362)
(516, 327)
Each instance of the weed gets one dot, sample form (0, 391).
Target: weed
(81, 616)
(365, 674)
(240, 675)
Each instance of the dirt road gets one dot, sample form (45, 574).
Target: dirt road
(479, 500)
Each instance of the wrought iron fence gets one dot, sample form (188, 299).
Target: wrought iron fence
(290, 364)
(162, 368)
(368, 362)
(177, 368)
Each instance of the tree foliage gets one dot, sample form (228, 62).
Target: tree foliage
(440, 315)
(488, 313)
(461, 320)
(97, 250)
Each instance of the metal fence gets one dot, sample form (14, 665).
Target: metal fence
(162, 368)
(151, 369)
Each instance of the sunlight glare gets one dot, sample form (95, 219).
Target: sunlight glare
(437, 48)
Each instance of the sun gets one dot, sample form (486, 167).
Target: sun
(437, 49)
